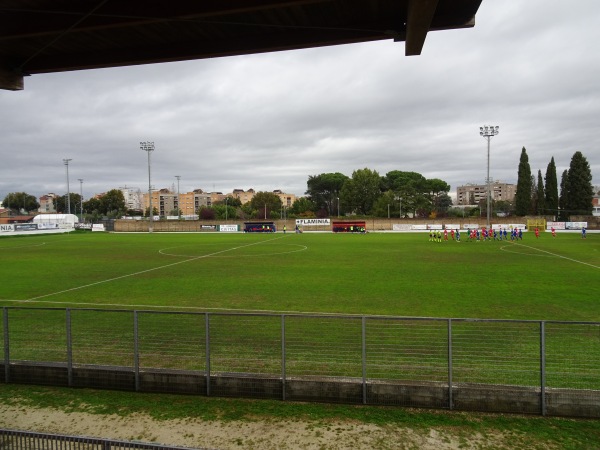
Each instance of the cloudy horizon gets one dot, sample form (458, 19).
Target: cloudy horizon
(269, 121)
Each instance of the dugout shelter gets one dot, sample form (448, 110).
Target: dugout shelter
(354, 226)
(259, 227)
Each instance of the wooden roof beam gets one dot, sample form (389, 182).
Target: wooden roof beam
(418, 22)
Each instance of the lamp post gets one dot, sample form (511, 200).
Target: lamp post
(388, 210)
(488, 132)
(149, 148)
(226, 206)
(66, 163)
(81, 196)
(338, 199)
(178, 198)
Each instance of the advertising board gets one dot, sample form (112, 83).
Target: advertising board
(7, 227)
(229, 228)
(313, 222)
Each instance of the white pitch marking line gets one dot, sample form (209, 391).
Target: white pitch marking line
(559, 256)
(23, 246)
(148, 270)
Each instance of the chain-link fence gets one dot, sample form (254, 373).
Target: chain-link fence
(537, 367)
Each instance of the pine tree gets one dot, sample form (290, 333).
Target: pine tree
(523, 195)
(563, 200)
(581, 190)
(551, 189)
(541, 198)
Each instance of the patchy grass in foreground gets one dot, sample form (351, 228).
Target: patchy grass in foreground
(519, 431)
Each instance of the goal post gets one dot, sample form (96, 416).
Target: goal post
(532, 224)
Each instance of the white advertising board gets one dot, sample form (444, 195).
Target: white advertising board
(313, 222)
(7, 227)
(98, 227)
(228, 228)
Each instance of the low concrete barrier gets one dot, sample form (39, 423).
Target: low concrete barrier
(462, 396)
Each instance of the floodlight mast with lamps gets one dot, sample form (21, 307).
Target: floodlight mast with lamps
(66, 162)
(81, 195)
(178, 197)
(488, 132)
(149, 148)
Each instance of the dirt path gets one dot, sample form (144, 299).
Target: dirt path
(264, 435)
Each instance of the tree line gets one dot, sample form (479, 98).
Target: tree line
(541, 196)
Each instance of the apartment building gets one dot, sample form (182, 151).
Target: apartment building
(47, 203)
(133, 198)
(166, 201)
(472, 194)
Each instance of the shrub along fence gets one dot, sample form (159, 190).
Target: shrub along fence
(535, 367)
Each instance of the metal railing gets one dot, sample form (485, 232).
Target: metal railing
(538, 367)
(27, 440)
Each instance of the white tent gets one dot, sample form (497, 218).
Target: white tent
(55, 220)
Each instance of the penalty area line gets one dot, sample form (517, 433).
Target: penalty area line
(147, 270)
(559, 256)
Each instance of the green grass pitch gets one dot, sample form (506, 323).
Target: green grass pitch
(373, 274)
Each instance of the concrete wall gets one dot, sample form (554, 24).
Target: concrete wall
(464, 397)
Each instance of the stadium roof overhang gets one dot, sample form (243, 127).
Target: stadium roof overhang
(42, 36)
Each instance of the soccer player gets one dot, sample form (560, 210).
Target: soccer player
(553, 231)
(583, 233)
(457, 235)
(452, 233)
(537, 233)
(445, 234)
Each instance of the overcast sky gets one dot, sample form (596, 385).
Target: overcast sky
(269, 121)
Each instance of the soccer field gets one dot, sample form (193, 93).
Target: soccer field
(373, 274)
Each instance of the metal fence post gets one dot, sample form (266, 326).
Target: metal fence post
(543, 367)
(136, 351)
(6, 345)
(207, 344)
(450, 398)
(364, 359)
(69, 348)
(283, 357)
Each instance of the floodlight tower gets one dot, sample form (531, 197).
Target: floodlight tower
(149, 148)
(66, 163)
(80, 196)
(488, 132)
(178, 198)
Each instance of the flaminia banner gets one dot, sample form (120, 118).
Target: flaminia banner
(313, 222)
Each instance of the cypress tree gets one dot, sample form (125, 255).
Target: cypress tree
(581, 190)
(563, 200)
(551, 189)
(523, 195)
(541, 198)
